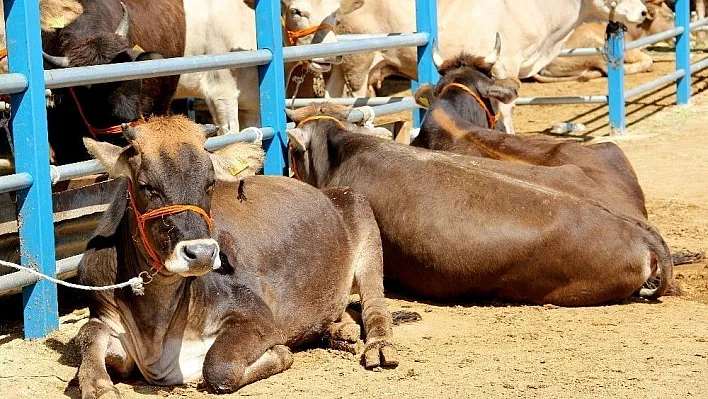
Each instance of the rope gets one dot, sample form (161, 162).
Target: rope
(137, 284)
(369, 114)
(257, 131)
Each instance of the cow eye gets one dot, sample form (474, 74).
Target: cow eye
(149, 190)
(295, 12)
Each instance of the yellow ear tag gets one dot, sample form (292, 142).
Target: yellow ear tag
(424, 102)
(138, 48)
(57, 23)
(235, 170)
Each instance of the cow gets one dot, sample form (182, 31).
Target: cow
(111, 32)
(220, 26)
(535, 30)
(239, 268)
(459, 120)
(458, 227)
(592, 34)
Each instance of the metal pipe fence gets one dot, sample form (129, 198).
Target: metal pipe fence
(27, 81)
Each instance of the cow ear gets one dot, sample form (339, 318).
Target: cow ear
(504, 90)
(237, 161)
(110, 156)
(348, 6)
(149, 55)
(250, 3)
(425, 95)
(299, 139)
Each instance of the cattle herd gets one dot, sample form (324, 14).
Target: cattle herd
(241, 268)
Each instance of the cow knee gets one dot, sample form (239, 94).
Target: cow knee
(223, 377)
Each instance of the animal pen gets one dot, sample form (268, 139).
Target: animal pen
(29, 226)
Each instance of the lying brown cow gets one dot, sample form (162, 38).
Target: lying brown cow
(458, 226)
(460, 119)
(241, 269)
(592, 34)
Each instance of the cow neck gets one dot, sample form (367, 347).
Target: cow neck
(95, 131)
(492, 118)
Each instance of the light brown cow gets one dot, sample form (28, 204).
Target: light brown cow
(456, 226)
(592, 34)
(239, 269)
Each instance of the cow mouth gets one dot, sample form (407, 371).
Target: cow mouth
(322, 65)
(194, 257)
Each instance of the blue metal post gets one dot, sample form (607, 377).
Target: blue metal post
(29, 128)
(426, 20)
(271, 81)
(683, 52)
(615, 77)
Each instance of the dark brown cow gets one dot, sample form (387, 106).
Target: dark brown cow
(111, 32)
(457, 226)
(225, 301)
(460, 120)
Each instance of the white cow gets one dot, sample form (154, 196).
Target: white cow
(220, 26)
(532, 32)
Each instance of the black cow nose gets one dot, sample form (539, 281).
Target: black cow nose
(199, 252)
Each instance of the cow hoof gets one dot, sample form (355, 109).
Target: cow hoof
(380, 354)
(112, 394)
(345, 337)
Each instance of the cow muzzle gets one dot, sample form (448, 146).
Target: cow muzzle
(194, 257)
(322, 65)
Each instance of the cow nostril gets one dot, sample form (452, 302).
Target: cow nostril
(644, 13)
(199, 251)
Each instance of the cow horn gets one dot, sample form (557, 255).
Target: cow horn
(129, 132)
(59, 62)
(492, 58)
(437, 58)
(122, 29)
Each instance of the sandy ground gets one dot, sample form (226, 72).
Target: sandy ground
(628, 350)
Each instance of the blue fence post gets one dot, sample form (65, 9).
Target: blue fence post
(426, 20)
(615, 76)
(683, 52)
(271, 82)
(29, 128)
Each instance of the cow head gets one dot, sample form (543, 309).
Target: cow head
(625, 11)
(327, 118)
(467, 85)
(167, 165)
(660, 18)
(312, 22)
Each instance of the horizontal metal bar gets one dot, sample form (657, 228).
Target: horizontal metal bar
(299, 53)
(645, 41)
(695, 25)
(561, 100)
(11, 83)
(13, 282)
(214, 143)
(580, 51)
(357, 116)
(66, 77)
(699, 65)
(658, 82)
(357, 102)
(367, 36)
(15, 181)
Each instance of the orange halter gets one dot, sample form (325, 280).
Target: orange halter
(296, 174)
(106, 130)
(3, 53)
(164, 211)
(493, 119)
(298, 34)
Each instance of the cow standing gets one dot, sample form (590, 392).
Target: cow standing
(240, 268)
(535, 31)
(456, 226)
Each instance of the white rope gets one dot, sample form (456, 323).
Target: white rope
(137, 284)
(55, 174)
(257, 131)
(369, 115)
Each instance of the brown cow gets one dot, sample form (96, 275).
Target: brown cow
(271, 268)
(459, 119)
(457, 226)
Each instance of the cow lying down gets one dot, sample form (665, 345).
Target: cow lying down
(456, 226)
(242, 267)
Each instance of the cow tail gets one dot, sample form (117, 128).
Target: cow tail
(661, 281)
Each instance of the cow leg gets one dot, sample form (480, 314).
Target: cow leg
(637, 61)
(97, 347)
(368, 280)
(345, 333)
(701, 13)
(335, 83)
(246, 350)
(220, 91)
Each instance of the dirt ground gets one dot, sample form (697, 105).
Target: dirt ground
(628, 350)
